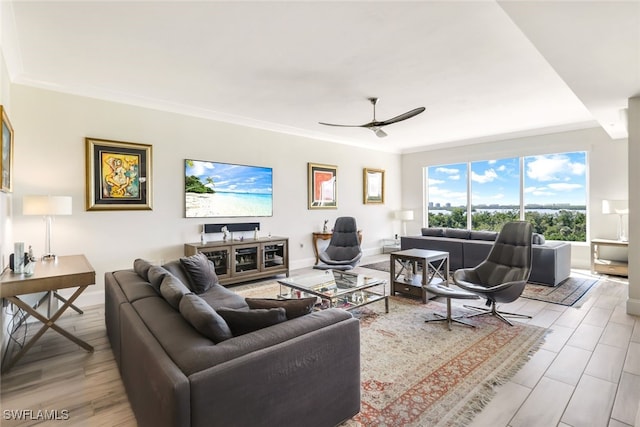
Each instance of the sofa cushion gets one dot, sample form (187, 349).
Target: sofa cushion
(243, 321)
(177, 270)
(456, 233)
(201, 272)
(142, 266)
(172, 290)
(293, 307)
(204, 318)
(155, 276)
(483, 235)
(433, 231)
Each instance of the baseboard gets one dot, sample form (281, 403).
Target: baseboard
(633, 306)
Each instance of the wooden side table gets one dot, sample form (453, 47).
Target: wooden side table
(49, 276)
(602, 265)
(435, 269)
(317, 235)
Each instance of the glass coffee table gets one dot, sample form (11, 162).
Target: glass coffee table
(336, 288)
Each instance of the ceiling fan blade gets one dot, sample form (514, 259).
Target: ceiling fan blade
(342, 126)
(402, 117)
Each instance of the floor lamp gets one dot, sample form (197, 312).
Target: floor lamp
(620, 208)
(404, 216)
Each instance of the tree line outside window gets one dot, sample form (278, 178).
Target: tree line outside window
(550, 191)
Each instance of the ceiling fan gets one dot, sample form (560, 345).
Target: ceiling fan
(375, 125)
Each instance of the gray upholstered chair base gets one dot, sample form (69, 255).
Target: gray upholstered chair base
(448, 293)
(493, 311)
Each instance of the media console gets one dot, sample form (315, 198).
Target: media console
(248, 259)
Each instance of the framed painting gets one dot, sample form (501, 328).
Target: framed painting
(373, 186)
(322, 186)
(6, 161)
(118, 175)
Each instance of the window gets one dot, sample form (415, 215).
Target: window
(495, 193)
(550, 191)
(447, 195)
(555, 195)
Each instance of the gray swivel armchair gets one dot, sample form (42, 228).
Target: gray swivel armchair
(502, 276)
(343, 251)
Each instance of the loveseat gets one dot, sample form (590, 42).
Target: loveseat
(551, 263)
(302, 371)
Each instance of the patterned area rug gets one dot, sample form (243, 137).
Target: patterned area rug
(422, 374)
(566, 293)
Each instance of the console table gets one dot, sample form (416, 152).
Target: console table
(49, 276)
(316, 235)
(600, 264)
(435, 269)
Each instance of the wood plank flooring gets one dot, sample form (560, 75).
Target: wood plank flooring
(586, 373)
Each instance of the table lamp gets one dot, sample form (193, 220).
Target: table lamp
(47, 206)
(404, 216)
(620, 208)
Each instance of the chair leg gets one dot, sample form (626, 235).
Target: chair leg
(493, 311)
(448, 318)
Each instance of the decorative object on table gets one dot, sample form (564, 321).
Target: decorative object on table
(343, 251)
(203, 236)
(6, 160)
(620, 208)
(118, 175)
(373, 186)
(325, 228)
(18, 257)
(47, 207)
(404, 216)
(322, 188)
(214, 189)
(501, 278)
(225, 232)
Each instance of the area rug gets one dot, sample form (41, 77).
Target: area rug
(566, 293)
(421, 374)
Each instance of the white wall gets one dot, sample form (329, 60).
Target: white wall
(633, 303)
(608, 174)
(50, 128)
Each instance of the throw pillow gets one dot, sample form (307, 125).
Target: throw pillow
(172, 290)
(456, 233)
(537, 239)
(155, 276)
(202, 273)
(204, 319)
(293, 307)
(483, 235)
(242, 321)
(142, 267)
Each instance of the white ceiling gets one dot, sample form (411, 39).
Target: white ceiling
(484, 70)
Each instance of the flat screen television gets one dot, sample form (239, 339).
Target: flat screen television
(214, 189)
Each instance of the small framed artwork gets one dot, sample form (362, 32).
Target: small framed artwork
(6, 161)
(118, 175)
(322, 186)
(373, 186)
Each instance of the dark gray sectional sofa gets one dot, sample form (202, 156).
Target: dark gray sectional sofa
(551, 262)
(303, 371)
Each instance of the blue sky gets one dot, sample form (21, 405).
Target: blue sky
(552, 178)
(233, 178)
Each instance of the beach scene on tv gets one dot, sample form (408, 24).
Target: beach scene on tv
(215, 189)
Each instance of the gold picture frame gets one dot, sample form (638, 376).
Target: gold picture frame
(372, 186)
(6, 159)
(118, 175)
(322, 188)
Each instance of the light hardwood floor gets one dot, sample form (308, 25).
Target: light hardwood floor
(586, 374)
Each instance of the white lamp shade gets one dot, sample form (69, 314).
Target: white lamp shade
(46, 205)
(404, 215)
(620, 207)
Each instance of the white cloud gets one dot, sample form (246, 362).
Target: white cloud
(448, 171)
(433, 181)
(553, 168)
(564, 186)
(501, 168)
(454, 177)
(488, 176)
